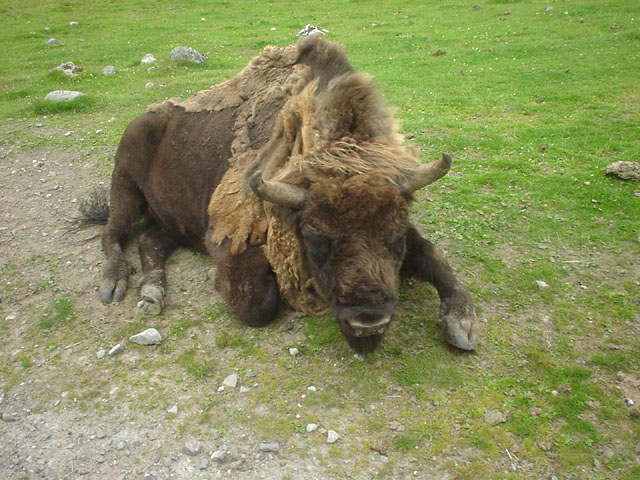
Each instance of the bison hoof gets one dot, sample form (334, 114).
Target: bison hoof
(152, 299)
(462, 334)
(112, 290)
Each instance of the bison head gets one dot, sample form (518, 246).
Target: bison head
(352, 232)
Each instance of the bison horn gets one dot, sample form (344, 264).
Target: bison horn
(277, 192)
(428, 174)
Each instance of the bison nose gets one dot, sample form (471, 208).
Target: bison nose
(364, 325)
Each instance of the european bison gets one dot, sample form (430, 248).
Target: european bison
(293, 178)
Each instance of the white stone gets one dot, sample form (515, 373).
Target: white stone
(119, 348)
(101, 353)
(109, 70)
(150, 336)
(312, 388)
(311, 427)
(541, 284)
(293, 351)
(332, 436)
(187, 54)
(52, 42)
(231, 380)
(173, 409)
(147, 59)
(64, 96)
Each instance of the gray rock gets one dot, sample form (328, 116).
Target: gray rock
(121, 444)
(52, 42)
(494, 417)
(119, 348)
(166, 461)
(109, 70)
(70, 69)
(173, 409)
(187, 54)
(192, 448)
(269, 447)
(101, 353)
(231, 380)
(311, 427)
(64, 96)
(542, 284)
(624, 170)
(202, 463)
(332, 436)
(220, 454)
(9, 417)
(147, 59)
(150, 336)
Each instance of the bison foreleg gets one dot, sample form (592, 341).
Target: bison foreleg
(247, 284)
(155, 247)
(425, 261)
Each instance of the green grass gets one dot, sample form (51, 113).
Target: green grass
(532, 104)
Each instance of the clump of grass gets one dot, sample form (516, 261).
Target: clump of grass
(59, 312)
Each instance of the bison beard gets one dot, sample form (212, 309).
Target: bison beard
(293, 178)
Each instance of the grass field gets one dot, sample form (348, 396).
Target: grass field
(532, 100)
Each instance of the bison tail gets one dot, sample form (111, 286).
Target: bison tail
(93, 210)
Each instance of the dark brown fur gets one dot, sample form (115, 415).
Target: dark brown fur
(183, 166)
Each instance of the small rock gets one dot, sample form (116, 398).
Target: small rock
(11, 316)
(311, 427)
(629, 401)
(438, 53)
(150, 336)
(332, 436)
(409, 136)
(120, 445)
(147, 59)
(166, 461)
(272, 447)
(358, 357)
(220, 454)
(231, 380)
(620, 376)
(542, 284)
(52, 42)
(119, 348)
(564, 388)
(173, 409)
(311, 30)
(101, 353)
(244, 389)
(624, 170)
(192, 448)
(109, 70)
(9, 417)
(187, 54)
(535, 411)
(70, 69)
(311, 388)
(64, 96)
(543, 147)
(148, 476)
(72, 22)
(494, 417)
(547, 9)
(614, 26)
(99, 131)
(149, 85)
(293, 351)
(202, 463)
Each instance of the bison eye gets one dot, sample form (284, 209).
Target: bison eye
(398, 247)
(318, 248)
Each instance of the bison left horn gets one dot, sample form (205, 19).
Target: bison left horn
(277, 192)
(427, 174)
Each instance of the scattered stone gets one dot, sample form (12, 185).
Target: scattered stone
(64, 96)
(173, 409)
(535, 411)
(52, 42)
(624, 170)
(99, 131)
(101, 353)
(272, 447)
(220, 454)
(332, 436)
(564, 388)
(9, 417)
(244, 389)
(11, 316)
(311, 388)
(73, 23)
(70, 69)
(192, 448)
(150, 336)
(202, 463)
(293, 351)
(542, 284)
(231, 380)
(147, 59)
(359, 357)
(629, 401)
(494, 417)
(109, 70)
(187, 54)
(311, 427)
(149, 85)
(120, 445)
(409, 136)
(312, 30)
(119, 348)
(547, 9)
(543, 147)
(438, 53)
(614, 26)
(166, 461)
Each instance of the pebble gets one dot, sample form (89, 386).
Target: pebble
(149, 85)
(629, 401)
(166, 461)
(309, 30)
(73, 23)
(119, 348)
(9, 417)
(147, 59)
(231, 380)
(220, 454)
(64, 96)
(541, 284)
(293, 351)
(52, 42)
(109, 70)
(202, 463)
(101, 353)
(150, 336)
(187, 54)
(272, 447)
(11, 316)
(535, 411)
(192, 448)
(359, 357)
(173, 409)
(311, 427)
(312, 388)
(70, 69)
(120, 445)
(332, 436)
(494, 417)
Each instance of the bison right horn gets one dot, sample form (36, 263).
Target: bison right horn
(277, 192)
(428, 174)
